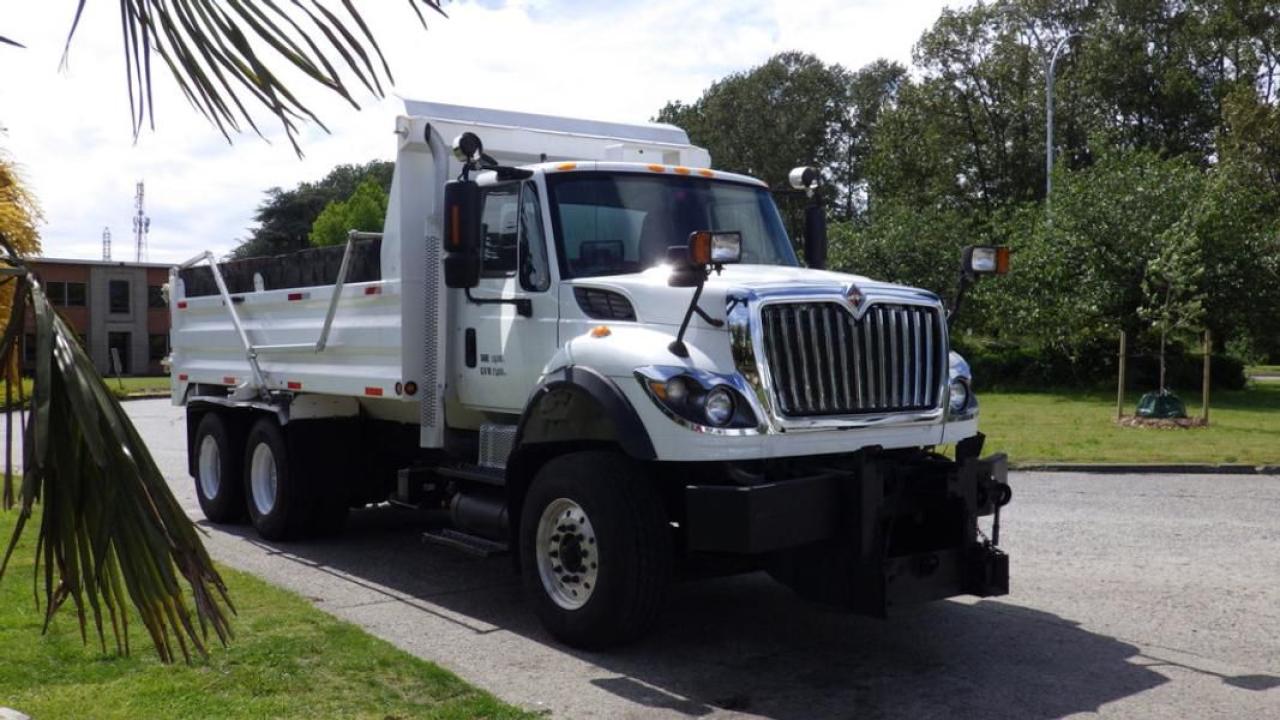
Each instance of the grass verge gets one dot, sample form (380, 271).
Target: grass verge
(1075, 426)
(124, 387)
(288, 660)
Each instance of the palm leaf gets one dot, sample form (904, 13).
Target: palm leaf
(111, 535)
(210, 49)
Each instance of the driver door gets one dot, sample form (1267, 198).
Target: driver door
(500, 353)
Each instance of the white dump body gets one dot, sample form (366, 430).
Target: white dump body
(390, 334)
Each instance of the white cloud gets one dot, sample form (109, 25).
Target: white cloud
(610, 61)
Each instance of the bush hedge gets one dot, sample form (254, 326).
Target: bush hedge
(999, 366)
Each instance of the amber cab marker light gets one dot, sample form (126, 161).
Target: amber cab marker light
(1002, 260)
(700, 248)
(601, 331)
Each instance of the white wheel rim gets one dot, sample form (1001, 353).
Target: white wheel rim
(567, 555)
(210, 467)
(262, 478)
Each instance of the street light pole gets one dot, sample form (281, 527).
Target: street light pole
(1048, 116)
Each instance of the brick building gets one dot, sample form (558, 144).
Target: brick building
(112, 306)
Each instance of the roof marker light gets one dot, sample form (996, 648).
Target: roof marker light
(657, 168)
(567, 166)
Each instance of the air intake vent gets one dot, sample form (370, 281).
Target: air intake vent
(603, 304)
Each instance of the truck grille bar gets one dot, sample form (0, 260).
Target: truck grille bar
(823, 361)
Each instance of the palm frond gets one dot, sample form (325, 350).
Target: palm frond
(111, 533)
(214, 50)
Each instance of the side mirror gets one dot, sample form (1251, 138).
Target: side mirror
(815, 216)
(704, 250)
(985, 260)
(815, 235)
(461, 234)
(976, 261)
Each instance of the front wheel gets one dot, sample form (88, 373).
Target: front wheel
(595, 549)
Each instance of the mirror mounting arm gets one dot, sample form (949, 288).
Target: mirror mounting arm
(677, 346)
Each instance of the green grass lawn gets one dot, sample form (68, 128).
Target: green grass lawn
(124, 387)
(1262, 370)
(1244, 427)
(288, 660)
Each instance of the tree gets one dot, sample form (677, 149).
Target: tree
(1174, 296)
(111, 534)
(218, 55)
(792, 110)
(366, 210)
(286, 217)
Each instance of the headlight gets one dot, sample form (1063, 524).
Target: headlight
(959, 395)
(962, 401)
(703, 400)
(719, 406)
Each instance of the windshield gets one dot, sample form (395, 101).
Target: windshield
(615, 223)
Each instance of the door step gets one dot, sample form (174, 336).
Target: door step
(473, 545)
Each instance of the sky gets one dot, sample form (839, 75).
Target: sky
(622, 60)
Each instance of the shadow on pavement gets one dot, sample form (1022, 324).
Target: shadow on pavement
(745, 643)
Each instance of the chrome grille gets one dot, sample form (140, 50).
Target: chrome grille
(822, 361)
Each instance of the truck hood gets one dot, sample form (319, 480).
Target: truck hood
(656, 302)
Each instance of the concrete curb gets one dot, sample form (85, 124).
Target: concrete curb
(1139, 469)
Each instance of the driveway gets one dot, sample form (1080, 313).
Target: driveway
(1133, 596)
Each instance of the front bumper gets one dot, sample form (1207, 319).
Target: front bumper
(880, 530)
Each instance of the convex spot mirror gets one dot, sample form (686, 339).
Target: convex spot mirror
(985, 260)
(461, 234)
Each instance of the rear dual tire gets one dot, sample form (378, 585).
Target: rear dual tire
(219, 488)
(289, 483)
(293, 495)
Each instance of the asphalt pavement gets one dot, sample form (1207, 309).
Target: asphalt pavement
(1133, 597)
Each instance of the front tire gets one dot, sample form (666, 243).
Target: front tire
(595, 549)
(217, 470)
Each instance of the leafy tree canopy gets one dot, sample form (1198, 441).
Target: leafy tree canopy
(366, 209)
(285, 218)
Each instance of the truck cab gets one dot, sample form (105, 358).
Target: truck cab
(579, 343)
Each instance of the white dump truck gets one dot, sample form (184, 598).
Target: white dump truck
(579, 343)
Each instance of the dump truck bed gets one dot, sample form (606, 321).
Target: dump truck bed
(362, 353)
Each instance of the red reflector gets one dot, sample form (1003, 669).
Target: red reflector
(182, 377)
(374, 391)
(297, 296)
(182, 304)
(228, 380)
(294, 385)
(373, 291)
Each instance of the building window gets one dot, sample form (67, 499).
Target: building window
(76, 294)
(57, 292)
(118, 296)
(155, 297)
(158, 347)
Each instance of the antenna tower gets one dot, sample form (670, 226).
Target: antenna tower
(106, 243)
(141, 225)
